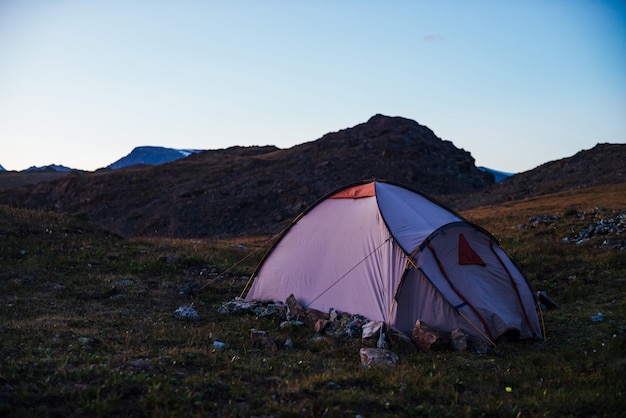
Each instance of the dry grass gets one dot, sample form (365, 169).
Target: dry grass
(86, 329)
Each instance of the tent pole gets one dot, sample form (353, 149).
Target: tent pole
(543, 325)
(476, 328)
(245, 288)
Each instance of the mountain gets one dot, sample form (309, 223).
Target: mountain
(32, 175)
(2, 168)
(255, 190)
(51, 167)
(259, 190)
(148, 155)
(602, 164)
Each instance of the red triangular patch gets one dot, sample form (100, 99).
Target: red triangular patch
(467, 255)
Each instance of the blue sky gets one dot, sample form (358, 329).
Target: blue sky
(517, 84)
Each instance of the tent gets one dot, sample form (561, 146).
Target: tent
(391, 253)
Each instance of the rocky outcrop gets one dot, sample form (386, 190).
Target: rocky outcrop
(603, 164)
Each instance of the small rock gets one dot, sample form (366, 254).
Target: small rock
(236, 306)
(399, 340)
(291, 323)
(458, 339)
(333, 385)
(426, 337)
(186, 312)
(269, 309)
(260, 338)
(377, 357)
(479, 346)
(312, 318)
(598, 318)
(332, 314)
(126, 282)
(371, 332)
(288, 343)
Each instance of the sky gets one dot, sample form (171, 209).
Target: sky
(517, 84)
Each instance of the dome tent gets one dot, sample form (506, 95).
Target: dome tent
(391, 253)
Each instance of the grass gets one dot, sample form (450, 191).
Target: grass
(87, 329)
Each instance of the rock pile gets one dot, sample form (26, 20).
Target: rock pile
(608, 230)
(375, 336)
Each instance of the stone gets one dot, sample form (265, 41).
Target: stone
(371, 357)
(347, 326)
(269, 309)
(427, 338)
(293, 307)
(186, 312)
(288, 343)
(371, 333)
(312, 318)
(261, 339)
(235, 306)
(320, 325)
(479, 346)
(400, 340)
(458, 339)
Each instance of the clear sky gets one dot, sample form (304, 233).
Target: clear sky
(517, 84)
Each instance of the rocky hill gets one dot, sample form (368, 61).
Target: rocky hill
(256, 189)
(603, 164)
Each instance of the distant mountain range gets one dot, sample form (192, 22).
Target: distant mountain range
(259, 190)
(52, 167)
(145, 155)
(152, 155)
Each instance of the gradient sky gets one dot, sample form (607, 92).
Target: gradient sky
(517, 84)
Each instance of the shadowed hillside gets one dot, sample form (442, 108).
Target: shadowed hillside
(603, 164)
(256, 189)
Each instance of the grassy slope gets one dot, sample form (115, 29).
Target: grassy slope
(86, 329)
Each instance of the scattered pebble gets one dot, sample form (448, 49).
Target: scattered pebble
(611, 226)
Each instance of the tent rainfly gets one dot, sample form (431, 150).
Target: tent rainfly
(391, 253)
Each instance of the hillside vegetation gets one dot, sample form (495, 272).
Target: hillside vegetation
(87, 328)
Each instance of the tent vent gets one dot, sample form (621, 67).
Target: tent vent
(467, 255)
